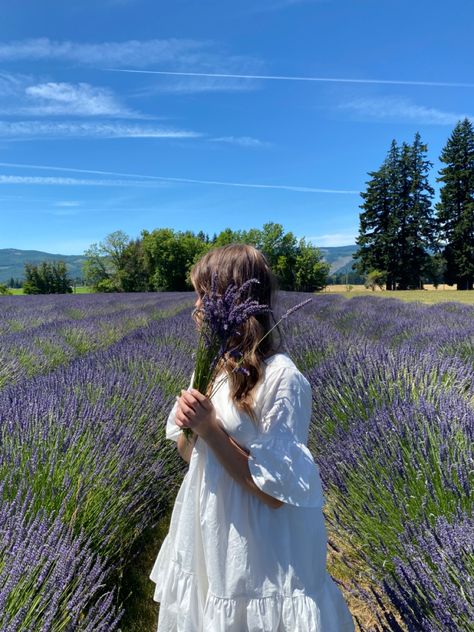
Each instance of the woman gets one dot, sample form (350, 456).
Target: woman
(246, 548)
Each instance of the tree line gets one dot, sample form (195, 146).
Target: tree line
(47, 277)
(405, 241)
(160, 260)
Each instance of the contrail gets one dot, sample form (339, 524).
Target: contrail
(285, 187)
(437, 84)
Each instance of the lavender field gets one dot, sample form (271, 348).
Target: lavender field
(86, 383)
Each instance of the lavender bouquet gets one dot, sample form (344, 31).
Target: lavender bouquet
(221, 318)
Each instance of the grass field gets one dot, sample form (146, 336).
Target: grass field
(429, 295)
(79, 290)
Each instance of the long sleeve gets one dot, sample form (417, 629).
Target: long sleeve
(280, 462)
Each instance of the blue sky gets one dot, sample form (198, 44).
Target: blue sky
(277, 111)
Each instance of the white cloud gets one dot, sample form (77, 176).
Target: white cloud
(20, 130)
(58, 181)
(80, 99)
(195, 85)
(67, 204)
(177, 53)
(243, 141)
(401, 109)
(131, 52)
(22, 95)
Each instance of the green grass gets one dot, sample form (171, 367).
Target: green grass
(424, 296)
(136, 591)
(79, 290)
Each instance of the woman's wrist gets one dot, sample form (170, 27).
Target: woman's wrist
(207, 430)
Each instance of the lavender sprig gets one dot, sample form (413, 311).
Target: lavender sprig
(221, 318)
(222, 315)
(285, 315)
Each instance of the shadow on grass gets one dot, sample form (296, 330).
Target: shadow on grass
(136, 591)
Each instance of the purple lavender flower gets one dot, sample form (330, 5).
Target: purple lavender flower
(222, 315)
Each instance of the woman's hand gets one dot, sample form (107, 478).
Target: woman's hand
(196, 411)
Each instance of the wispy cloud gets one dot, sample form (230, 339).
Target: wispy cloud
(146, 178)
(88, 182)
(225, 75)
(242, 141)
(196, 85)
(23, 95)
(131, 52)
(28, 130)
(80, 99)
(401, 109)
(182, 53)
(67, 204)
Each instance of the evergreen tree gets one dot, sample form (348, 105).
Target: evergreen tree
(415, 215)
(396, 226)
(379, 221)
(47, 278)
(455, 210)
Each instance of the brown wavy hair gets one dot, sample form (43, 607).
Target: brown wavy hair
(236, 263)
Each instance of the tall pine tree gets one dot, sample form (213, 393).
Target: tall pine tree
(455, 210)
(378, 227)
(396, 226)
(416, 222)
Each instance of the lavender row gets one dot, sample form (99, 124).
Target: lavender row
(52, 335)
(86, 443)
(48, 575)
(393, 433)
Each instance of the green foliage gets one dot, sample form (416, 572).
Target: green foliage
(375, 278)
(4, 289)
(168, 256)
(105, 261)
(310, 271)
(161, 260)
(49, 277)
(455, 210)
(397, 228)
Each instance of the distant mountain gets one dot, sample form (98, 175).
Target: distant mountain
(339, 257)
(12, 261)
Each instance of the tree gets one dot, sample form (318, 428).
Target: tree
(95, 267)
(134, 275)
(311, 272)
(49, 277)
(378, 227)
(104, 262)
(415, 215)
(397, 228)
(280, 250)
(169, 256)
(455, 210)
(4, 289)
(375, 278)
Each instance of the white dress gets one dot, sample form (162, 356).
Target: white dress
(230, 563)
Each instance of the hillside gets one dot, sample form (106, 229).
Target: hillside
(12, 260)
